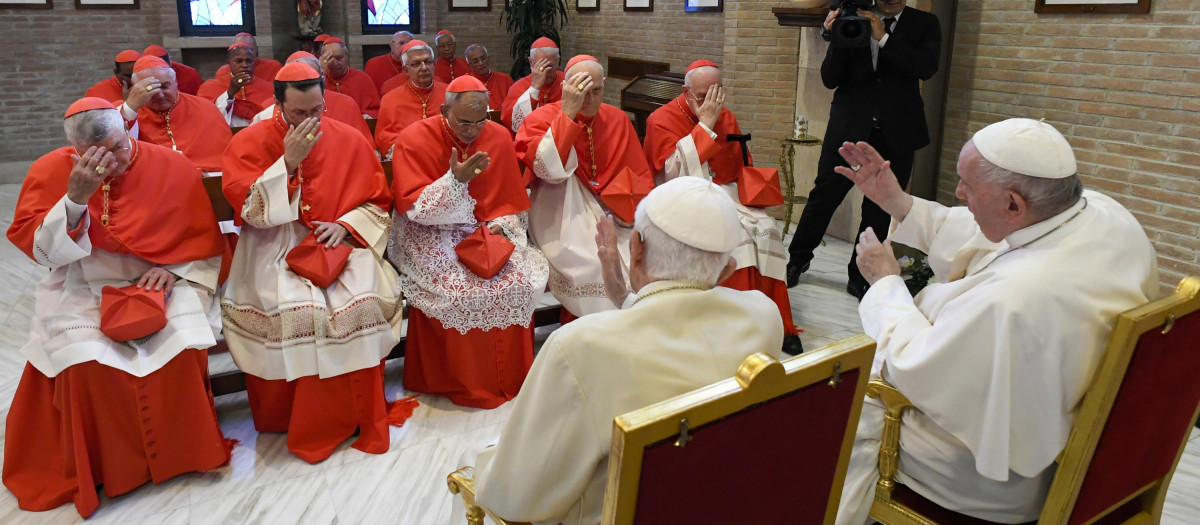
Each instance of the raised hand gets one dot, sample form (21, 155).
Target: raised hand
(237, 82)
(575, 89)
(88, 173)
(299, 141)
(610, 261)
(710, 110)
(467, 170)
(541, 74)
(157, 279)
(875, 259)
(140, 94)
(330, 234)
(875, 178)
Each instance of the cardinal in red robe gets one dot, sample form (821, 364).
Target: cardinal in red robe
(164, 116)
(421, 98)
(448, 66)
(243, 95)
(689, 137)
(338, 107)
(389, 65)
(543, 86)
(498, 84)
(342, 78)
(90, 411)
(265, 69)
(575, 149)
(312, 353)
(188, 78)
(113, 88)
(470, 337)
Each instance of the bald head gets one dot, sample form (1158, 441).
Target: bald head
(591, 67)
(312, 62)
(595, 96)
(248, 39)
(700, 79)
(398, 40)
(339, 59)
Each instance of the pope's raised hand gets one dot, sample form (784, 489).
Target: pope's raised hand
(140, 94)
(610, 261)
(875, 178)
(875, 259)
(467, 170)
(299, 142)
(575, 89)
(88, 173)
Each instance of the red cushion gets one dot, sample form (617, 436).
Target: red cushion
(771, 463)
(313, 261)
(759, 187)
(1150, 419)
(131, 312)
(624, 192)
(484, 253)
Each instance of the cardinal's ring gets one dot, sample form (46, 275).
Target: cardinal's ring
(310, 137)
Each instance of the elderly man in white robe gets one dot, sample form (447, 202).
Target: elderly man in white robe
(675, 333)
(996, 354)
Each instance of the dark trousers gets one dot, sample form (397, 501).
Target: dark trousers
(827, 194)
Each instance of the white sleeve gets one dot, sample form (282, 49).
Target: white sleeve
(268, 203)
(686, 159)
(523, 107)
(226, 108)
(53, 245)
(203, 272)
(371, 224)
(548, 165)
(445, 202)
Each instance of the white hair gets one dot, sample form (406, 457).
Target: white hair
(138, 76)
(687, 79)
(480, 46)
(551, 50)
(598, 64)
(1045, 197)
(92, 127)
(480, 103)
(438, 38)
(312, 62)
(668, 259)
(398, 33)
(404, 56)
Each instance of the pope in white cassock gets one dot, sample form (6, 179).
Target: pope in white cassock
(676, 332)
(997, 353)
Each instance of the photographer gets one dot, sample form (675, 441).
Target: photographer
(878, 100)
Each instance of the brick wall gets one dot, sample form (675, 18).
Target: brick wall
(1124, 89)
(761, 62)
(468, 27)
(667, 34)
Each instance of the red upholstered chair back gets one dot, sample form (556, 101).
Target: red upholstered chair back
(1136, 418)
(770, 446)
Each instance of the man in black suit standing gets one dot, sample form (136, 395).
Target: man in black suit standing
(877, 100)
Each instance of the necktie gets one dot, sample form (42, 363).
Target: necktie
(887, 24)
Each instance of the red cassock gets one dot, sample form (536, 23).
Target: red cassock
(545, 96)
(480, 368)
(445, 70)
(403, 106)
(249, 101)
(613, 140)
(188, 78)
(393, 83)
(92, 424)
(108, 89)
(675, 120)
(498, 85)
(265, 69)
(360, 87)
(345, 110)
(383, 68)
(338, 175)
(195, 128)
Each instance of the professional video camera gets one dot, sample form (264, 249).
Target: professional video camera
(849, 29)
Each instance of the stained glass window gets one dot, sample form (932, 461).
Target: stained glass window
(389, 16)
(215, 17)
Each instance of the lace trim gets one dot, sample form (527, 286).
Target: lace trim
(364, 316)
(435, 282)
(445, 201)
(518, 115)
(254, 211)
(563, 286)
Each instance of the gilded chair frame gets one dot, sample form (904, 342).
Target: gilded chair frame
(760, 378)
(1081, 445)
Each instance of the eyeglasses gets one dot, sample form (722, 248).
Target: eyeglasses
(699, 100)
(297, 115)
(479, 60)
(426, 63)
(467, 123)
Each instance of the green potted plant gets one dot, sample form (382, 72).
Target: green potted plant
(529, 20)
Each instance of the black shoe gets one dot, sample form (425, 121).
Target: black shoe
(857, 288)
(794, 271)
(792, 345)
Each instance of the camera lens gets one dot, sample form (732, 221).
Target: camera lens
(852, 31)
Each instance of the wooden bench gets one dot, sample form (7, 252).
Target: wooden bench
(235, 381)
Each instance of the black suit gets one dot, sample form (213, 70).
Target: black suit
(880, 105)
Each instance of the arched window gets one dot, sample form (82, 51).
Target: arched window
(384, 17)
(215, 17)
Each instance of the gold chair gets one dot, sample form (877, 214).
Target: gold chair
(1130, 432)
(770, 445)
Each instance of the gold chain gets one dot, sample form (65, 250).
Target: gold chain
(685, 113)
(104, 216)
(424, 101)
(685, 287)
(170, 134)
(592, 151)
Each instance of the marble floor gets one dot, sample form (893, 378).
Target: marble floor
(265, 484)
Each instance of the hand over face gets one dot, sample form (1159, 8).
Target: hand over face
(299, 142)
(88, 173)
(710, 110)
(141, 93)
(575, 90)
(541, 74)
